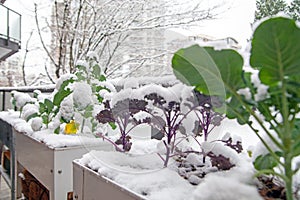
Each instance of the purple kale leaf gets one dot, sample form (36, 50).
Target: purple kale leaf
(105, 116)
(136, 105)
(157, 100)
(237, 147)
(220, 161)
(122, 114)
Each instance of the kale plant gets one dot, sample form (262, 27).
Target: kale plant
(204, 107)
(168, 117)
(207, 118)
(275, 53)
(168, 122)
(121, 115)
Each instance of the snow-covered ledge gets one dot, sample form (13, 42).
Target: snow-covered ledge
(88, 184)
(49, 156)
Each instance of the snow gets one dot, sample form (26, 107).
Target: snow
(66, 108)
(145, 175)
(13, 118)
(141, 170)
(82, 63)
(61, 141)
(235, 138)
(47, 136)
(108, 85)
(21, 98)
(28, 110)
(141, 115)
(82, 95)
(262, 90)
(36, 123)
(92, 56)
(172, 93)
(63, 78)
(167, 80)
(245, 92)
(193, 159)
(131, 83)
(215, 187)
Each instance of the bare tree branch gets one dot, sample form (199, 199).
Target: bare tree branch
(108, 28)
(41, 38)
(25, 56)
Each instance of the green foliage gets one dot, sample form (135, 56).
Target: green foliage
(276, 54)
(263, 162)
(90, 73)
(32, 116)
(207, 77)
(63, 92)
(46, 111)
(112, 125)
(296, 138)
(268, 8)
(49, 108)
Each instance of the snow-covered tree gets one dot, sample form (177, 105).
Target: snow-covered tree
(112, 29)
(265, 8)
(294, 9)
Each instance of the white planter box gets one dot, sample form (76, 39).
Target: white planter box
(89, 185)
(52, 167)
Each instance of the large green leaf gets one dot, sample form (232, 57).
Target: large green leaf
(49, 105)
(63, 92)
(213, 72)
(230, 64)
(276, 50)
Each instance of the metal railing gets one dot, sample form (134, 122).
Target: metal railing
(10, 28)
(5, 93)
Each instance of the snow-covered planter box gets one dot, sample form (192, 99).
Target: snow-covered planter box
(115, 175)
(88, 184)
(47, 156)
(185, 161)
(51, 166)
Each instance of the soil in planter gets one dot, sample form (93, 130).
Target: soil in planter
(193, 168)
(270, 188)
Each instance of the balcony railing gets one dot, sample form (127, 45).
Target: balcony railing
(10, 31)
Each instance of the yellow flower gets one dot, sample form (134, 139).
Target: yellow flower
(71, 127)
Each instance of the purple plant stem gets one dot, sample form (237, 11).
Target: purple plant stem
(167, 154)
(110, 141)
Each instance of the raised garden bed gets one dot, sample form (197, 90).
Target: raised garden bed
(87, 184)
(51, 166)
(48, 157)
